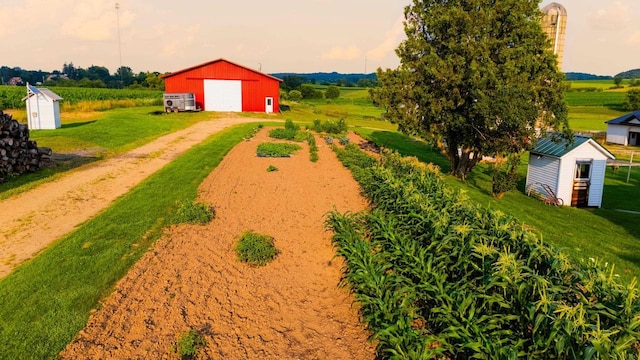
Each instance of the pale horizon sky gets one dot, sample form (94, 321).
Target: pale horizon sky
(348, 36)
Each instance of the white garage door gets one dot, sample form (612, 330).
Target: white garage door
(223, 95)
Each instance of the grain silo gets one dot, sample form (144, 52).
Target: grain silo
(554, 24)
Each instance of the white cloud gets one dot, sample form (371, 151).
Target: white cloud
(634, 39)
(391, 41)
(342, 53)
(614, 17)
(180, 41)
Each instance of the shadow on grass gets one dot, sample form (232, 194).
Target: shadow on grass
(77, 124)
(59, 163)
(410, 147)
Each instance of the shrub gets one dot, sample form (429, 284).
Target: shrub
(189, 344)
(194, 213)
(633, 100)
(256, 249)
(284, 134)
(276, 149)
(272, 168)
(332, 92)
(295, 95)
(289, 125)
(343, 140)
(317, 125)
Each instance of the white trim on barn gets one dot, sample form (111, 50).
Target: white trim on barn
(223, 95)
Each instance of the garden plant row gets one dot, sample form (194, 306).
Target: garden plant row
(438, 276)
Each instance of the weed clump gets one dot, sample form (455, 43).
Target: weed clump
(277, 149)
(256, 249)
(189, 344)
(272, 168)
(194, 213)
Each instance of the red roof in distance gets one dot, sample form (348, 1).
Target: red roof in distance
(215, 61)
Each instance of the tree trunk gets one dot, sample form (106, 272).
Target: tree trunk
(462, 161)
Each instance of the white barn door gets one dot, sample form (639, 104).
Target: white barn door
(223, 95)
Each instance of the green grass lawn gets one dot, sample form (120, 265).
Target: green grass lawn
(98, 136)
(47, 300)
(115, 131)
(605, 233)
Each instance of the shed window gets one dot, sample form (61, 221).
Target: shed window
(583, 169)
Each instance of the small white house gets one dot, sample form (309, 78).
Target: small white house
(624, 130)
(43, 108)
(573, 172)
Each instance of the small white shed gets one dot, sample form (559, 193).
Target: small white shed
(574, 172)
(43, 108)
(624, 130)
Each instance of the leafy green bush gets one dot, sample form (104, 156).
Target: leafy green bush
(189, 344)
(194, 213)
(332, 92)
(295, 95)
(438, 276)
(317, 125)
(330, 126)
(272, 168)
(277, 149)
(281, 133)
(289, 125)
(256, 249)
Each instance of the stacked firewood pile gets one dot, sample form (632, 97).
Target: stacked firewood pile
(18, 154)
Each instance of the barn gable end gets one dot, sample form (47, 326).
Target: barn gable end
(223, 84)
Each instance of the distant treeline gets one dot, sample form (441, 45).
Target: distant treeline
(571, 76)
(92, 77)
(292, 80)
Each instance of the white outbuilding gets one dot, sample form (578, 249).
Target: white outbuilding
(624, 130)
(573, 172)
(43, 108)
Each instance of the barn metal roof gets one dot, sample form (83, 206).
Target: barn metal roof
(626, 119)
(215, 61)
(547, 146)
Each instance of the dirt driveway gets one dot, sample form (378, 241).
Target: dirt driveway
(30, 221)
(290, 309)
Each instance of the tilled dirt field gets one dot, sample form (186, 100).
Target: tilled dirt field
(30, 221)
(291, 308)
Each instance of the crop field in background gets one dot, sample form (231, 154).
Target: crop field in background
(11, 96)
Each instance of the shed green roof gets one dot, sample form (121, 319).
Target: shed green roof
(547, 146)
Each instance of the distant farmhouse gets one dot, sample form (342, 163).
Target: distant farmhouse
(624, 130)
(554, 24)
(16, 80)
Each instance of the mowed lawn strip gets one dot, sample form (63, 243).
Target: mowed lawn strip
(99, 136)
(605, 234)
(46, 301)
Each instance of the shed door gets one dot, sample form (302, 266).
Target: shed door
(581, 183)
(223, 95)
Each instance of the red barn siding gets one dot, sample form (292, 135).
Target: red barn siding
(256, 86)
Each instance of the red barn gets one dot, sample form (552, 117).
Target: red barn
(221, 85)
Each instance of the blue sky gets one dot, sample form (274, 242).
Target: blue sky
(276, 36)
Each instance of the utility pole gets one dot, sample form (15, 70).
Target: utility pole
(119, 42)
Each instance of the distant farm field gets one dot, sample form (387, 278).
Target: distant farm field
(11, 96)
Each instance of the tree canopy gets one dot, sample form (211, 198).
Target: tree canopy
(476, 78)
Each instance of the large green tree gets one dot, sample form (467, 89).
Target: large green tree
(477, 77)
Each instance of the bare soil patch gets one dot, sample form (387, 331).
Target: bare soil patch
(291, 308)
(31, 221)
